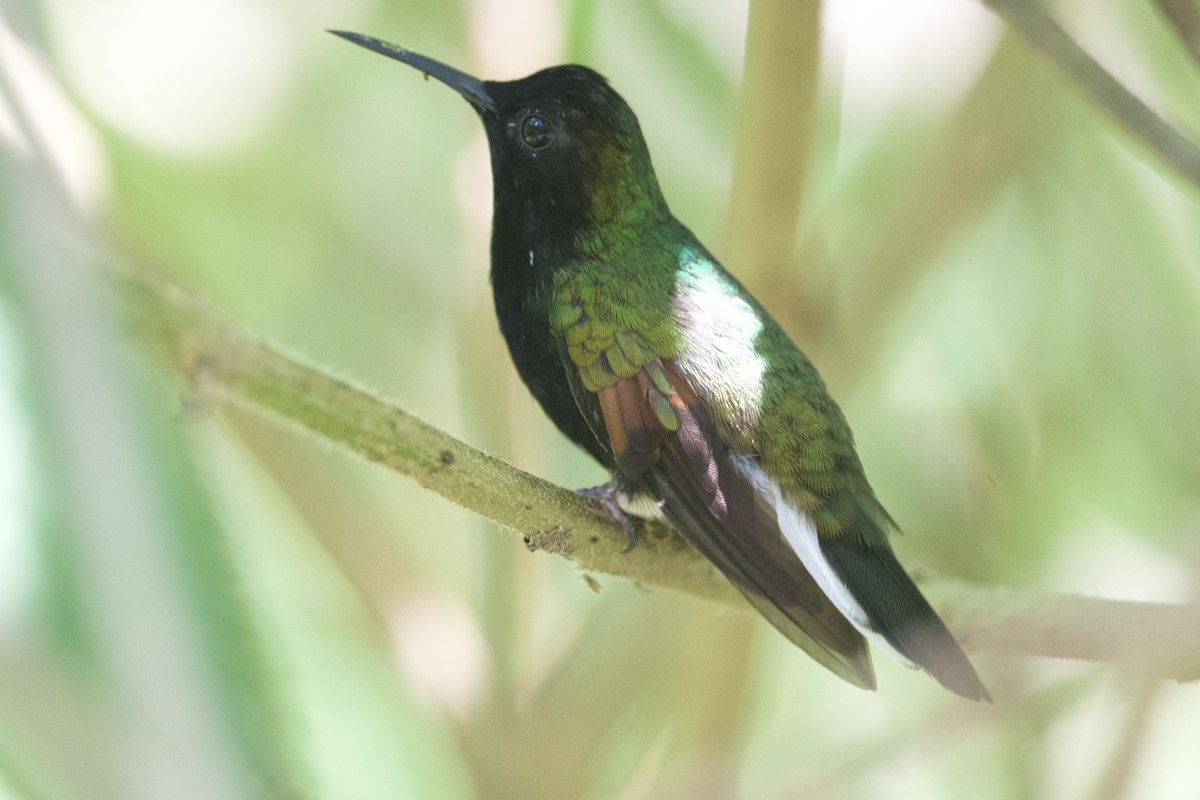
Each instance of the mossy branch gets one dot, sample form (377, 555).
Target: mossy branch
(214, 355)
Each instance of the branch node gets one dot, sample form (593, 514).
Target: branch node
(556, 541)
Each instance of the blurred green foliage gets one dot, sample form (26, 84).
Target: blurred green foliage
(1000, 287)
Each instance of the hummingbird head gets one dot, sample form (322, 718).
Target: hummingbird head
(567, 151)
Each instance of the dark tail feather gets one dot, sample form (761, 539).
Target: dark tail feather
(746, 545)
(902, 615)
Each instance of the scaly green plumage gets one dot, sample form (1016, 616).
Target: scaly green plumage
(647, 353)
(763, 394)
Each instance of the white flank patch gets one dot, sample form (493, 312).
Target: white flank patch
(801, 534)
(721, 330)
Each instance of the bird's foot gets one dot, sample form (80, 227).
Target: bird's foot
(606, 494)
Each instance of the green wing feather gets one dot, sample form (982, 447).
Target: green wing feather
(663, 440)
(705, 403)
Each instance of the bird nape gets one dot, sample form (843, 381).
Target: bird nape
(646, 353)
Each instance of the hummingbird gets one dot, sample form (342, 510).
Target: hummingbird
(645, 352)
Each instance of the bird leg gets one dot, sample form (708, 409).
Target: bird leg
(607, 496)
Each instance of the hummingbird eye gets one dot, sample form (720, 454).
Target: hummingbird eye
(536, 131)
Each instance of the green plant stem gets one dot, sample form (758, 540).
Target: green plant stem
(1126, 109)
(775, 134)
(219, 360)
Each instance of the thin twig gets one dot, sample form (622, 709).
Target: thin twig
(1126, 109)
(1117, 772)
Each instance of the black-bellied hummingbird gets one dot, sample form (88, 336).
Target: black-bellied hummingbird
(646, 353)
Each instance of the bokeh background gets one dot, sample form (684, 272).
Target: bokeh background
(196, 601)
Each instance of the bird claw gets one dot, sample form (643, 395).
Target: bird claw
(606, 495)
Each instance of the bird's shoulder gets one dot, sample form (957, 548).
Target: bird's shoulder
(614, 317)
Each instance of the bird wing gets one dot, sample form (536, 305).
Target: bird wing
(662, 439)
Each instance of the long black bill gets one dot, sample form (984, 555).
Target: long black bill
(470, 87)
